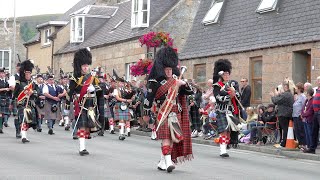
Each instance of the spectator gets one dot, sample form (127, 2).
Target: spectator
(267, 117)
(245, 95)
(194, 105)
(252, 117)
(206, 95)
(307, 114)
(284, 102)
(300, 98)
(315, 129)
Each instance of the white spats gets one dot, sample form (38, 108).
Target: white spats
(162, 163)
(169, 163)
(223, 149)
(24, 134)
(121, 128)
(82, 142)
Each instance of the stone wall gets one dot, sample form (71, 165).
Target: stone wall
(276, 65)
(6, 42)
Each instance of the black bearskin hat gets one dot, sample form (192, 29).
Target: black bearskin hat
(221, 65)
(165, 57)
(26, 65)
(81, 57)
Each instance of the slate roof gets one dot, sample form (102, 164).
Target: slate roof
(242, 29)
(64, 17)
(102, 10)
(106, 34)
(79, 5)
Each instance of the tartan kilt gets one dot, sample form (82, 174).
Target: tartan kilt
(20, 109)
(120, 114)
(107, 111)
(15, 107)
(222, 122)
(40, 110)
(48, 114)
(4, 106)
(164, 131)
(63, 107)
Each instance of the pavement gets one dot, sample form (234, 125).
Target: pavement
(268, 148)
(55, 157)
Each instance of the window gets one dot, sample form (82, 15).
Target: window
(199, 74)
(140, 13)
(267, 5)
(47, 33)
(212, 15)
(77, 29)
(128, 74)
(256, 79)
(5, 58)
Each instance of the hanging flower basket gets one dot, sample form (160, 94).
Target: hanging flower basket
(156, 39)
(142, 67)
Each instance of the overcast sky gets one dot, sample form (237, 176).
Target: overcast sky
(34, 7)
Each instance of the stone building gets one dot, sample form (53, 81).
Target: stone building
(111, 29)
(266, 41)
(7, 57)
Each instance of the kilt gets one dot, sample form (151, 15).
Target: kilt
(222, 122)
(14, 108)
(40, 110)
(20, 109)
(107, 111)
(63, 107)
(195, 118)
(120, 114)
(4, 106)
(48, 114)
(164, 131)
(83, 120)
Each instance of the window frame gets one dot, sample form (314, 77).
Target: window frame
(129, 77)
(2, 52)
(75, 35)
(255, 79)
(137, 13)
(201, 66)
(47, 33)
(267, 9)
(216, 19)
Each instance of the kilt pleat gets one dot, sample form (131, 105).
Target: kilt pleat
(4, 106)
(120, 114)
(222, 122)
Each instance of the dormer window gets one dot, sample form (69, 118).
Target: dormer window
(140, 13)
(213, 14)
(267, 5)
(47, 33)
(77, 29)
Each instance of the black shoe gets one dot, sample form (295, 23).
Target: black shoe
(139, 129)
(128, 134)
(67, 128)
(50, 132)
(224, 155)
(1, 132)
(311, 151)
(112, 132)
(147, 130)
(122, 137)
(25, 140)
(100, 133)
(83, 152)
(39, 130)
(89, 137)
(75, 137)
(5, 124)
(170, 168)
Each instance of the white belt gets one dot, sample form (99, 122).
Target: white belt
(88, 95)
